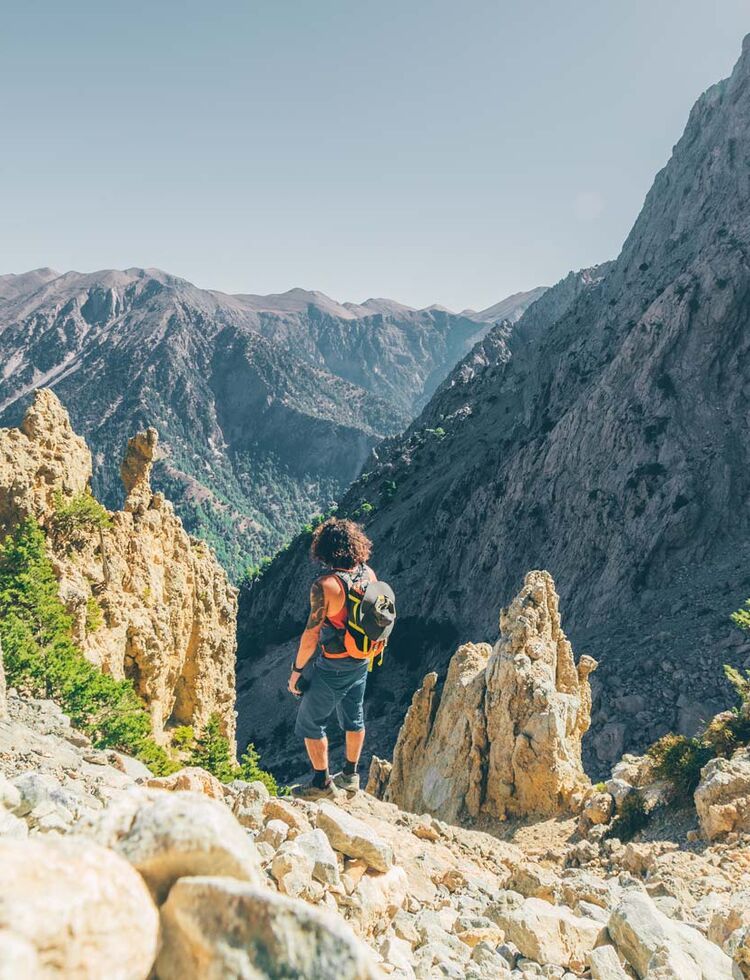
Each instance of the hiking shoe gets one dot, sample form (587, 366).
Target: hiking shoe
(306, 791)
(349, 783)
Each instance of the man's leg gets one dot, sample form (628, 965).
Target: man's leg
(315, 709)
(351, 717)
(317, 750)
(354, 743)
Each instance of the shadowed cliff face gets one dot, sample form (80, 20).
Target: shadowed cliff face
(604, 438)
(267, 406)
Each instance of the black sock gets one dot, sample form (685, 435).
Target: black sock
(321, 778)
(350, 768)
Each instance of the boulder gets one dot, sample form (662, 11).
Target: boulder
(12, 827)
(353, 837)
(10, 795)
(79, 907)
(191, 779)
(293, 816)
(167, 836)
(214, 928)
(640, 931)
(249, 801)
(722, 797)
(317, 847)
(292, 869)
(377, 898)
(738, 947)
(274, 833)
(605, 964)
(550, 933)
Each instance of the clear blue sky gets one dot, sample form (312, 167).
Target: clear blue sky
(425, 150)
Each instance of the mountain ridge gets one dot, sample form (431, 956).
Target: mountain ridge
(268, 407)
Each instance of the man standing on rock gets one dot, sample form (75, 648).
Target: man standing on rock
(338, 672)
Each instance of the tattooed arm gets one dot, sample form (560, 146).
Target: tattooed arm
(309, 640)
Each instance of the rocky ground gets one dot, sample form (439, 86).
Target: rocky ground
(102, 864)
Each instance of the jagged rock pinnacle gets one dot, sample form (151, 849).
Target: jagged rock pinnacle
(136, 469)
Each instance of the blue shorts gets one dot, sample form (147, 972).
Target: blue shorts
(342, 691)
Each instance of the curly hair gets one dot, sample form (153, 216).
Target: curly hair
(340, 544)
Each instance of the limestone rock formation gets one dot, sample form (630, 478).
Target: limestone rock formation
(504, 736)
(39, 460)
(722, 797)
(163, 609)
(135, 470)
(538, 707)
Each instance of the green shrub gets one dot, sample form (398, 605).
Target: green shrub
(740, 684)
(679, 761)
(78, 515)
(255, 572)
(42, 660)
(631, 819)
(212, 752)
(94, 618)
(183, 738)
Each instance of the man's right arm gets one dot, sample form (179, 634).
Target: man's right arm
(308, 643)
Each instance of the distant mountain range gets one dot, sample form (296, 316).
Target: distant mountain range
(267, 406)
(606, 438)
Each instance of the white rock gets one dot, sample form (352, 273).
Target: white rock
(216, 928)
(11, 827)
(379, 897)
(18, 957)
(550, 933)
(354, 837)
(317, 846)
(167, 836)
(640, 930)
(79, 906)
(10, 796)
(397, 952)
(605, 964)
(249, 802)
(274, 833)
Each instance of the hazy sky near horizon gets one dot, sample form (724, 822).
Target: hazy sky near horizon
(430, 151)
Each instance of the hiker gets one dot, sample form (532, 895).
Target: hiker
(351, 617)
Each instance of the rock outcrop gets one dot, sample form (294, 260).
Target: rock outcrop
(148, 602)
(503, 738)
(722, 797)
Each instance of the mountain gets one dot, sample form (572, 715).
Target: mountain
(267, 406)
(511, 308)
(604, 438)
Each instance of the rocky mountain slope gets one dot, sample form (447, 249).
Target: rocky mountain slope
(605, 438)
(146, 602)
(102, 864)
(267, 405)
